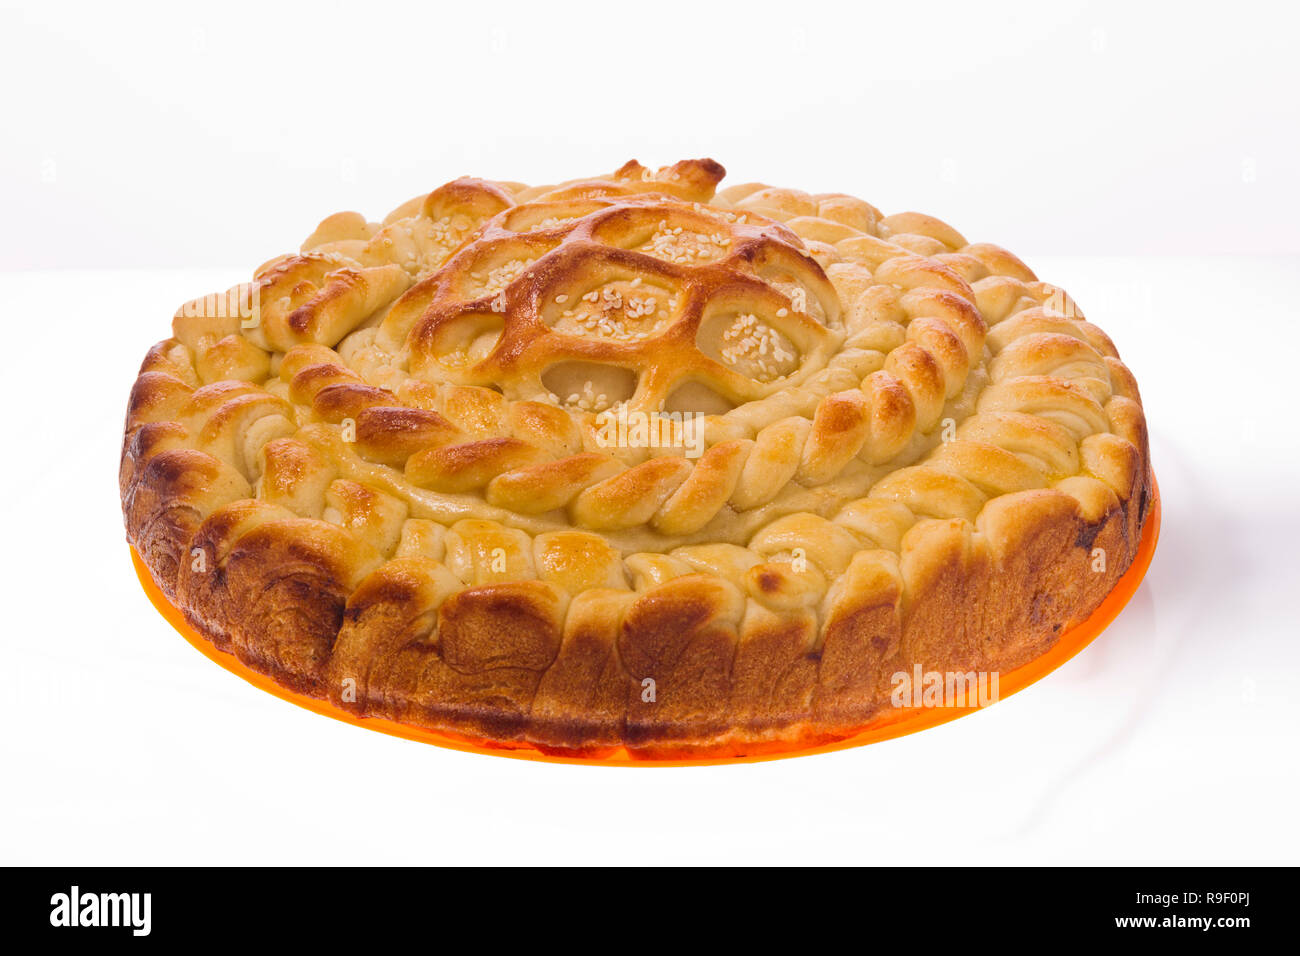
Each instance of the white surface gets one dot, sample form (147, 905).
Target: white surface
(220, 136)
(1173, 739)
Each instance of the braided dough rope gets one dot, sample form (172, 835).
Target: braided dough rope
(386, 483)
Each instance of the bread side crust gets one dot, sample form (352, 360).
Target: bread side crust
(513, 663)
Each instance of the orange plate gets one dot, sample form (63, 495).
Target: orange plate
(895, 724)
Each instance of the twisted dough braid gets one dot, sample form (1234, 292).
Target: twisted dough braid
(391, 479)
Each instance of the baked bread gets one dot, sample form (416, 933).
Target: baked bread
(631, 462)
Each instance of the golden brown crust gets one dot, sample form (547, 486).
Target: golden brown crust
(379, 472)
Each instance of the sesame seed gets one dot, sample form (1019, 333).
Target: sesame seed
(500, 277)
(757, 350)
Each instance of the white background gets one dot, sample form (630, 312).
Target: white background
(1144, 159)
